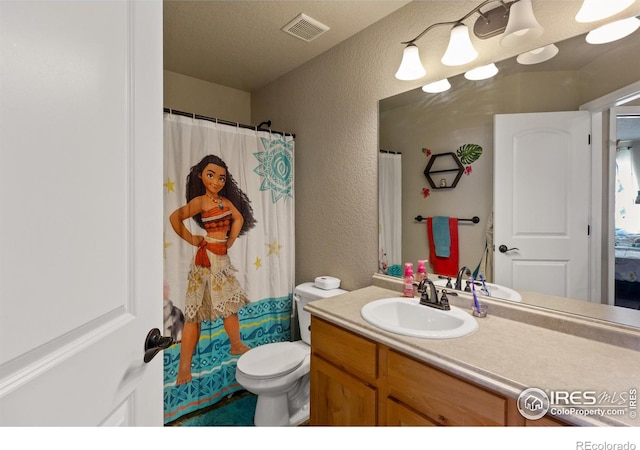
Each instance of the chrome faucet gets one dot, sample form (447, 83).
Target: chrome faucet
(463, 270)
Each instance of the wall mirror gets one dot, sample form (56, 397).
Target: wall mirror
(416, 124)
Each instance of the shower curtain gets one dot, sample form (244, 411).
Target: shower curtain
(390, 213)
(261, 164)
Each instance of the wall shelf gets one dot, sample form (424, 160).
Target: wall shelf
(449, 163)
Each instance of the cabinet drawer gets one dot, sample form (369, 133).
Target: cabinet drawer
(346, 350)
(399, 415)
(545, 421)
(443, 398)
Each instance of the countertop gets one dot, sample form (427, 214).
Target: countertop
(518, 347)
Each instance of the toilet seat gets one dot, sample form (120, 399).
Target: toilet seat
(271, 360)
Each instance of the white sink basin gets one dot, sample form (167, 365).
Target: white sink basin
(408, 317)
(495, 290)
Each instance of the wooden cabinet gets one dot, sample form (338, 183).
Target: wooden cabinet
(399, 415)
(356, 381)
(545, 421)
(444, 399)
(343, 377)
(345, 349)
(338, 398)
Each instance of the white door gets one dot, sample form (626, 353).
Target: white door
(80, 212)
(542, 202)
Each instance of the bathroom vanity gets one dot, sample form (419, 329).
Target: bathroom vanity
(362, 375)
(357, 381)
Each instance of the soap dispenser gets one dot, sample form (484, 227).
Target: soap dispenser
(422, 270)
(408, 280)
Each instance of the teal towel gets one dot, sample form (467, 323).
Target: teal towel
(441, 236)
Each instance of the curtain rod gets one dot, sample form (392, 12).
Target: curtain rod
(226, 122)
(390, 151)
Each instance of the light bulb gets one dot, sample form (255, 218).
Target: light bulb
(594, 10)
(437, 86)
(482, 72)
(460, 50)
(411, 67)
(613, 31)
(538, 55)
(522, 24)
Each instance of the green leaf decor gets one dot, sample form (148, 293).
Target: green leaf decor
(469, 153)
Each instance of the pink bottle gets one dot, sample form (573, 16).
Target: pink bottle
(422, 270)
(408, 280)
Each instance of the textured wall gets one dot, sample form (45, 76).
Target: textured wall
(196, 96)
(331, 103)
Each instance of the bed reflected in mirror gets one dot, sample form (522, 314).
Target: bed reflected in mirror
(627, 208)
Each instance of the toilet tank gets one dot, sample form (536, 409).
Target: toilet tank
(303, 294)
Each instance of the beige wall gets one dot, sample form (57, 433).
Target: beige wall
(196, 96)
(331, 103)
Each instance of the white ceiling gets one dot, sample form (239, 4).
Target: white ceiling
(240, 44)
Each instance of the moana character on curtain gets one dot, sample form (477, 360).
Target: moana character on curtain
(220, 207)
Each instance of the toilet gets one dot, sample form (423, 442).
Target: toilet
(278, 373)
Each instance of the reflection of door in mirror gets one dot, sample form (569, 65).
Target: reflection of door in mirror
(627, 207)
(541, 202)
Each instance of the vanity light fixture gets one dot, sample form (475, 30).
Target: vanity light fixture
(515, 19)
(482, 72)
(437, 86)
(522, 24)
(538, 55)
(594, 10)
(613, 31)
(460, 50)
(411, 67)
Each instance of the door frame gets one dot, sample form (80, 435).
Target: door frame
(603, 125)
(613, 127)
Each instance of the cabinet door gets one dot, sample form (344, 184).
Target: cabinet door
(399, 415)
(345, 349)
(338, 398)
(445, 399)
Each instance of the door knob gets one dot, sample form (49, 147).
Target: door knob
(503, 248)
(154, 343)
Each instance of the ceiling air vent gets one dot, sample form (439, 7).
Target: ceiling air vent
(305, 28)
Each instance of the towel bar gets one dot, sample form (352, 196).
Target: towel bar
(474, 219)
